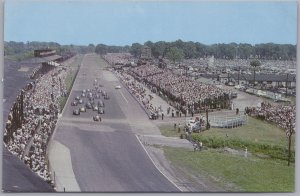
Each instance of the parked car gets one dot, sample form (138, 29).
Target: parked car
(193, 126)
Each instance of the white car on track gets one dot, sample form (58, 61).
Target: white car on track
(118, 87)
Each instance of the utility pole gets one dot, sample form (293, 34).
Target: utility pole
(207, 123)
(186, 69)
(239, 75)
(289, 134)
(228, 77)
(286, 87)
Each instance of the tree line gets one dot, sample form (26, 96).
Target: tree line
(13, 48)
(103, 49)
(173, 50)
(189, 50)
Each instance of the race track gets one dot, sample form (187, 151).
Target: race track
(105, 156)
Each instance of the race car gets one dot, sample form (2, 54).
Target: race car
(95, 108)
(100, 111)
(106, 97)
(88, 105)
(97, 118)
(77, 98)
(82, 109)
(76, 112)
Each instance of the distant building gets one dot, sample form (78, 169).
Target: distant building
(146, 53)
(48, 58)
(44, 52)
(266, 80)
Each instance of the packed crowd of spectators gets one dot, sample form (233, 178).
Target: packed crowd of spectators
(35, 72)
(281, 115)
(40, 111)
(181, 90)
(243, 64)
(183, 93)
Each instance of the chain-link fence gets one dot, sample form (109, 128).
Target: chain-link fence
(228, 121)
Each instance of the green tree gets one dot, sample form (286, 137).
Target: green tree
(254, 64)
(201, 50)
(91, 48)
(175, 54)
(244, 51)
(158, 49)
(101, 49)
(136, 49)
(149, 44)
(189, 50)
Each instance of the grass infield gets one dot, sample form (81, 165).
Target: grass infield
(247, 174)
(70, 80)
(264, 170)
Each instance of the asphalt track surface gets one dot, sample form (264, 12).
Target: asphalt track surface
(107, 156)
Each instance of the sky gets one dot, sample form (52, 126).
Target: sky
(123, 23)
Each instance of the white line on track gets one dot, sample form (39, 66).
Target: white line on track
(123, 96)
(156, 165)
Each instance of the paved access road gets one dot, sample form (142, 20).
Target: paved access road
(90, 156)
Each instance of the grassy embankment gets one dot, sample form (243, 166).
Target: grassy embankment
(265, 170)
(70, 79)
(169, 131)
(251, 174)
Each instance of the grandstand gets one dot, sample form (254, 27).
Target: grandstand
(48, 60)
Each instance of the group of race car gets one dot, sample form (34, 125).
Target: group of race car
(90, 99)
